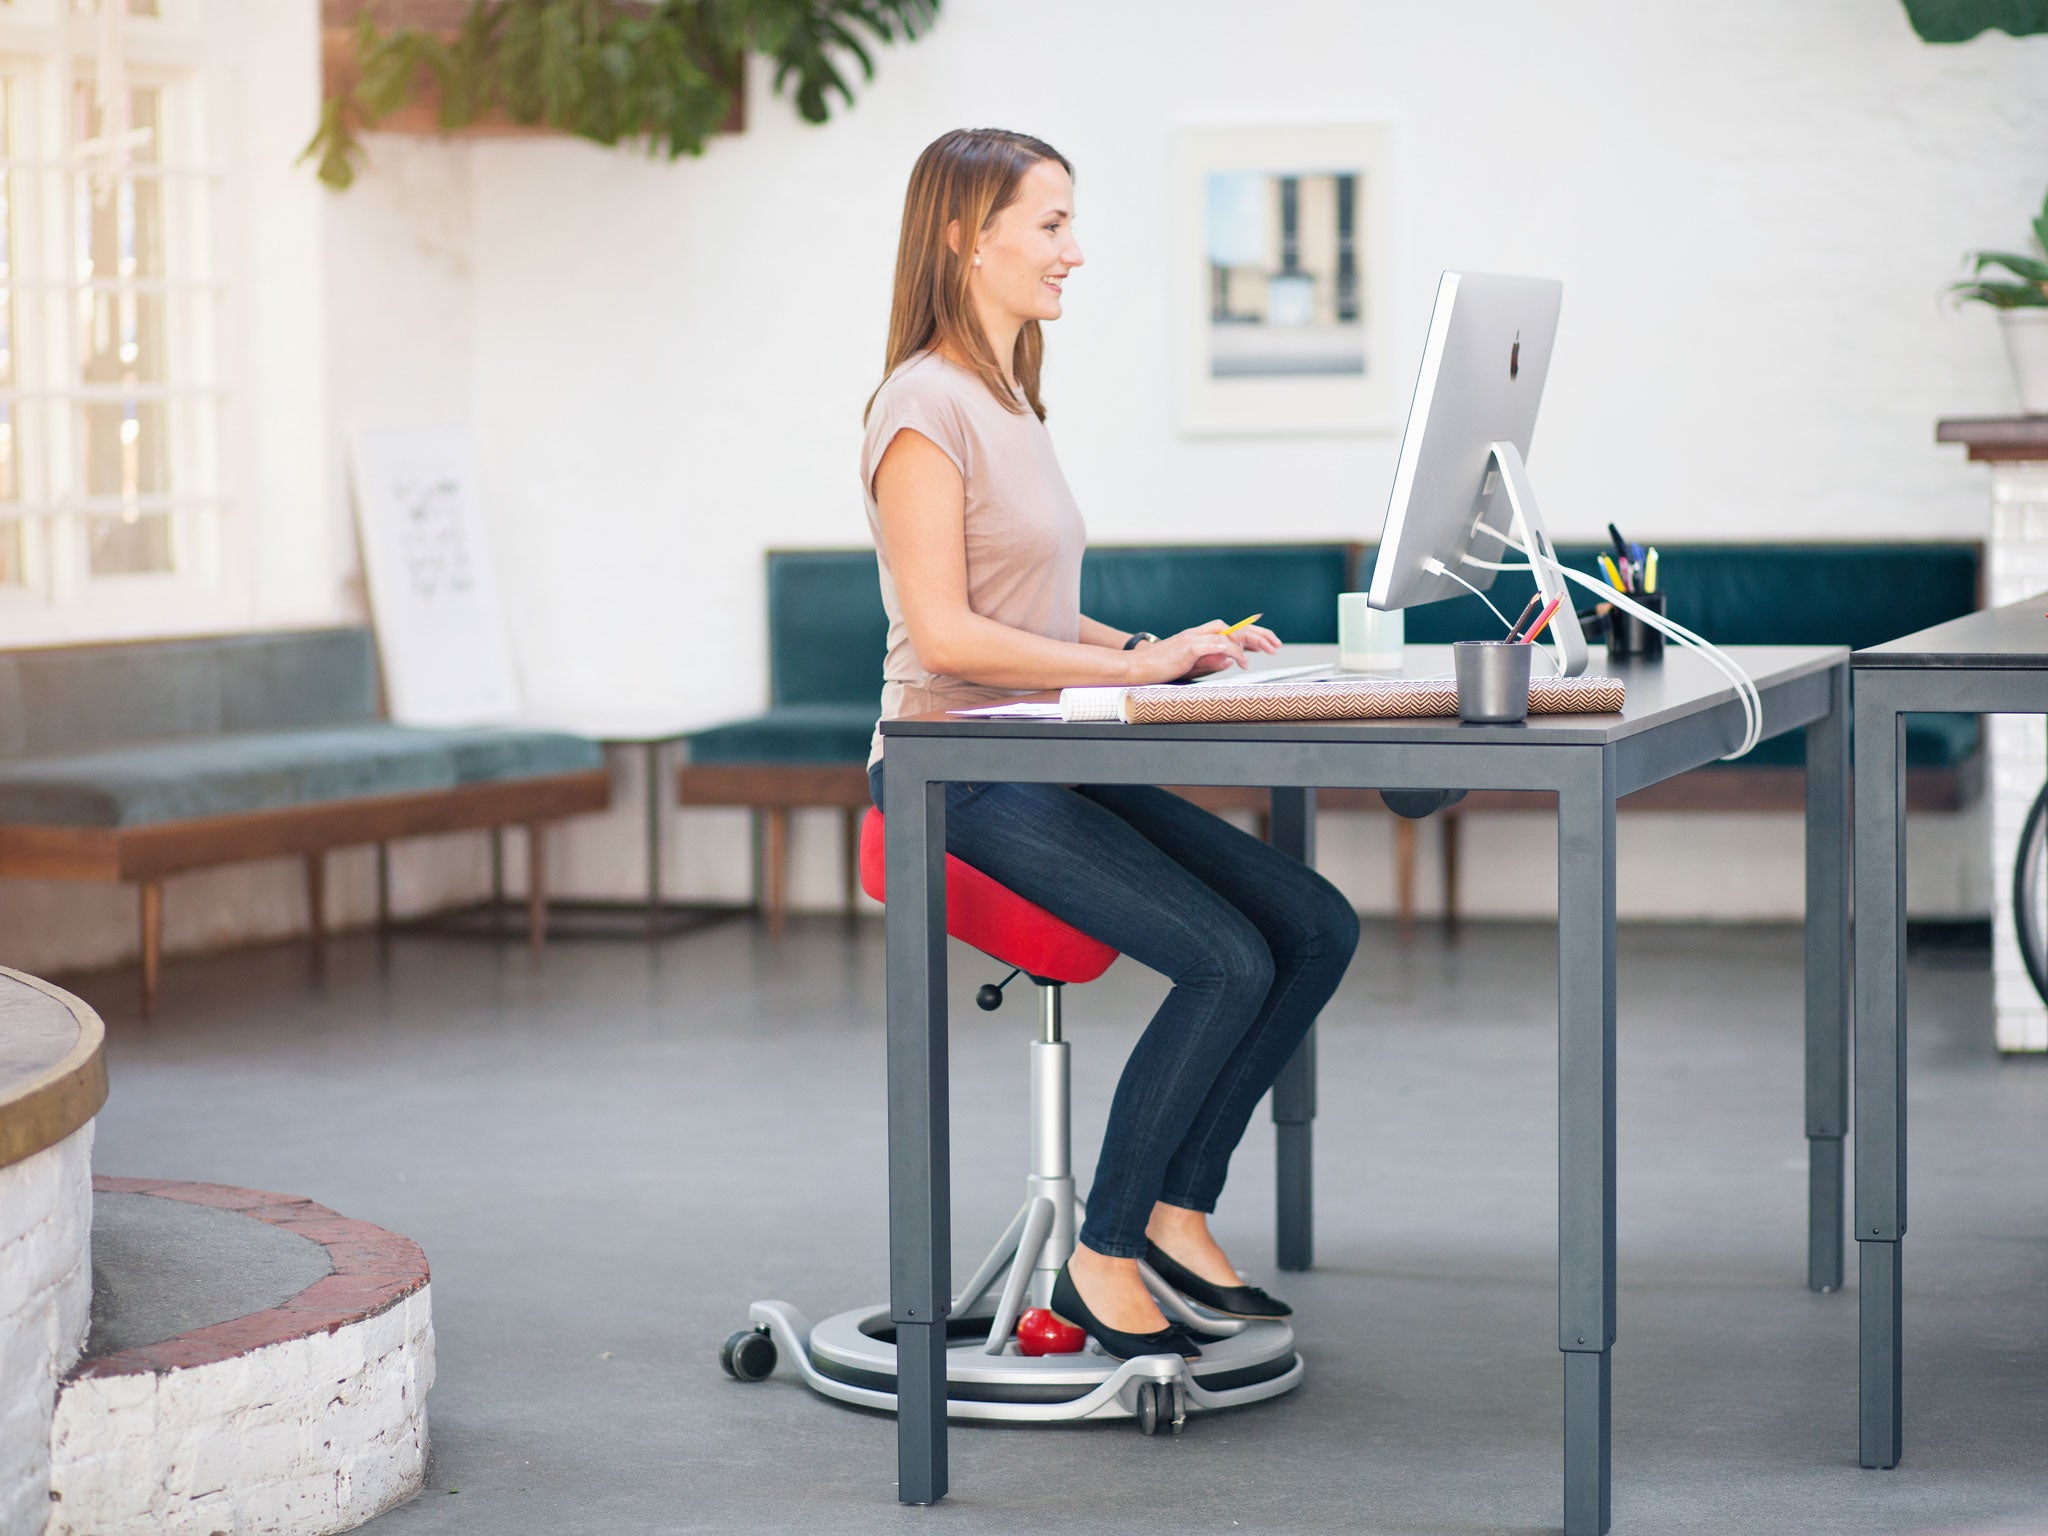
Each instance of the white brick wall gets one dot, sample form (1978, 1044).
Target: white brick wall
(45, 1306)
(306, 1437)
(2019, 759)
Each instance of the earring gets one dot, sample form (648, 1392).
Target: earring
(977, 261)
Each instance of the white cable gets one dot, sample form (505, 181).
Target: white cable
(1436, 567)
(1745, 686)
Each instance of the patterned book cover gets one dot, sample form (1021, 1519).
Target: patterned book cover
(1365, 698)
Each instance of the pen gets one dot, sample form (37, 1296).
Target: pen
(1620, 544)
(1516, 627)
(1542, 619)
(1650, 571)
(1613, 573)
(1240, 624)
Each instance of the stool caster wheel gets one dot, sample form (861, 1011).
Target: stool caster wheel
(748, 1355)
(1161, 1405)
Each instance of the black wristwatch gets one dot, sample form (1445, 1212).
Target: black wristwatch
(1142, 637)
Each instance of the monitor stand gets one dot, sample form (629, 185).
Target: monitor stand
(1527, 522)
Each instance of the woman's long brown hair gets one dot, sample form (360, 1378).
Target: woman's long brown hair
(969, 175)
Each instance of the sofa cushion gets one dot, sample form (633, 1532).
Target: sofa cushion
(488, 753)
(1755, 594)
(258, 771)
(1170, 587)
(827, 631)
(220, 775)
(81, 698)
(806, 733)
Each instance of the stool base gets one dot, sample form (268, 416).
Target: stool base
(852, 1357)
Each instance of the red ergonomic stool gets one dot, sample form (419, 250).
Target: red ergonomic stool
(852, 1356)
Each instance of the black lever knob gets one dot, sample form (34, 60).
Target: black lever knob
(990, 997)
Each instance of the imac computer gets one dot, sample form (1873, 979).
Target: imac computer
(1462, 500)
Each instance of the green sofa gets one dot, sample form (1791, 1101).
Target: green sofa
(826, 635)
(1782, 594)
(133, 762)
(826, 638)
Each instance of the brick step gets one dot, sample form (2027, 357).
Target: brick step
(256, 1362)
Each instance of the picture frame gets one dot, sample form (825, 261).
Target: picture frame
(444, 645)
(1283, 290)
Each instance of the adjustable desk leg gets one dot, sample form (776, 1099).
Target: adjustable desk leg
(1585, 1138)
(920, 1194)
(1880, 1063)
(1294, 1092)
(1827, 985)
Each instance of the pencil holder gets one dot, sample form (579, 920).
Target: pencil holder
(1629, 638)
(1493, 680)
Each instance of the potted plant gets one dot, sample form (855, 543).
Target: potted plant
(2021, 298)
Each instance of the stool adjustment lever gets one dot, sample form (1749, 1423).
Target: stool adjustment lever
(989, 997)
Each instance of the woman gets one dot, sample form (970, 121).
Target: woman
(980, 544)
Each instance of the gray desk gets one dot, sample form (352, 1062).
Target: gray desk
(1680, 715)
(1995, 662)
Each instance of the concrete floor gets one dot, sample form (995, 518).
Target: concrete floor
(609, 1154)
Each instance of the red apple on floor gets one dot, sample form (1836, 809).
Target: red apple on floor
(1039, 1332)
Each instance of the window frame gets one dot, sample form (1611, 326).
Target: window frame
(45, 50)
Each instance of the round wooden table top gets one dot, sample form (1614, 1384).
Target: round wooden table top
(53, 1069)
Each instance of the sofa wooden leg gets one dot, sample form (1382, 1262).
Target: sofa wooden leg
(1404, 877)
(316, 909)
(152, 943)
(1450, 858)
(849, 838)
(776, 874)
(536, 885)
(383, 889)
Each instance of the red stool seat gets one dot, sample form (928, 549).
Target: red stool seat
(995, 919)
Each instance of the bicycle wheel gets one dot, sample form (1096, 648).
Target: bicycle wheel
(2030, 893)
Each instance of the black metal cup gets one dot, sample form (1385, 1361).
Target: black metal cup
(1628, 637)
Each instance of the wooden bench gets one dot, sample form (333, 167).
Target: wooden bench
(136, 762)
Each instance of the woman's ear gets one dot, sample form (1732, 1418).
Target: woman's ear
(953, 237)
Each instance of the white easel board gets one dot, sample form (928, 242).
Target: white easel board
(441, 631)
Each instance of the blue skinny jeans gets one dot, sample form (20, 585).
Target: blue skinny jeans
(1253, 941)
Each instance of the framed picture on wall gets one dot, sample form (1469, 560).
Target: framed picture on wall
(1282, 294)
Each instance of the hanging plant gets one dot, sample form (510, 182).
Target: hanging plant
(666, 72)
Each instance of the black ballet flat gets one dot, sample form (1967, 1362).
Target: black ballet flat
(1241, 1301)
(1171, 1340)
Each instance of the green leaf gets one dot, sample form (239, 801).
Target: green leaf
(664, 72)
(2002, 295)
(2031, 268)
(1957, 21)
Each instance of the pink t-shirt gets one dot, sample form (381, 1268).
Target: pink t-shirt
(1024, 531)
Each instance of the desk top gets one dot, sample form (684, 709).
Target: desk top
(2014, 637)
(1660, 692)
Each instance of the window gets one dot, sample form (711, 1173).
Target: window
(110, 396)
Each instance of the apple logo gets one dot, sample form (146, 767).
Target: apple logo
(1515, 357)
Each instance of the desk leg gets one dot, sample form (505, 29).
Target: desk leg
(1827, 985)
(1294, 1092)
(653, 838)
(1585, 1138)
(1880, 1063)
(920, 1196)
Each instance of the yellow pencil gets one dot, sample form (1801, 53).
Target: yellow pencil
(1241, 623)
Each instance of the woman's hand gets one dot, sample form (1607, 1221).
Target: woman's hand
(1198, 651)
